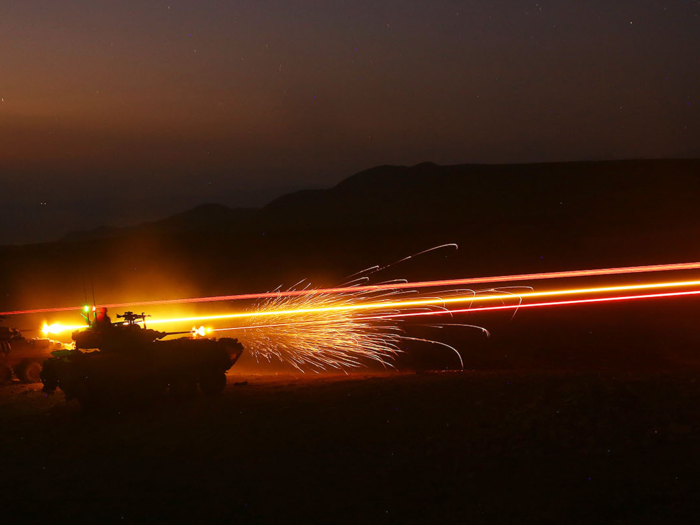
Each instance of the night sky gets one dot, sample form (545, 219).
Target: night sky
(119, 112)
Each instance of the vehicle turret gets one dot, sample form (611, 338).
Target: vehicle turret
(121, 336)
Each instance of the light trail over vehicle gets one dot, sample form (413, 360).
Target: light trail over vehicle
(390, 286)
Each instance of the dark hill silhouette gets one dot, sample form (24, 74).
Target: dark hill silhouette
(203, 217)
(507, 218)
(585, 197)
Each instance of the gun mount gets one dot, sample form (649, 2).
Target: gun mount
(131, 317)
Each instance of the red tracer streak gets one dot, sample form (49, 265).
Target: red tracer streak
(540, 305)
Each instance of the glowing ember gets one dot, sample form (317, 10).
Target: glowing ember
(406, 315)
(328, 332)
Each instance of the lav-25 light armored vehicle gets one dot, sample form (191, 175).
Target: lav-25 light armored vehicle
(126, 364)
(23, 356)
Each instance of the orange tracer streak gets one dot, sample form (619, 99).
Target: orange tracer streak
(392, 286)
(430, 302)
(442, 302)
(487, 309)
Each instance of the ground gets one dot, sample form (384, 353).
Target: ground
(469, 447)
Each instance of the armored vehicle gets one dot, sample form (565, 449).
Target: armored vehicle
(23, 356)
(126, 363)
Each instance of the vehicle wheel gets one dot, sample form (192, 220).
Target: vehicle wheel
(212, 383)
(49, 376)
(5, 373)
(29, 371)
(183, 387)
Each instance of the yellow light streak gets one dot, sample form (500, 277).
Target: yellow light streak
(57, 328)
(435, 301)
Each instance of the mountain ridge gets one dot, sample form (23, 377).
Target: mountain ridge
(428, 193)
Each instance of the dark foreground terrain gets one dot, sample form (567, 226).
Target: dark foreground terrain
(471, 447)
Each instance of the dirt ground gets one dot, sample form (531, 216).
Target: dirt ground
(469, 447)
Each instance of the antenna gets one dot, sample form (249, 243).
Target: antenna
(94, 301)
(86, 316)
